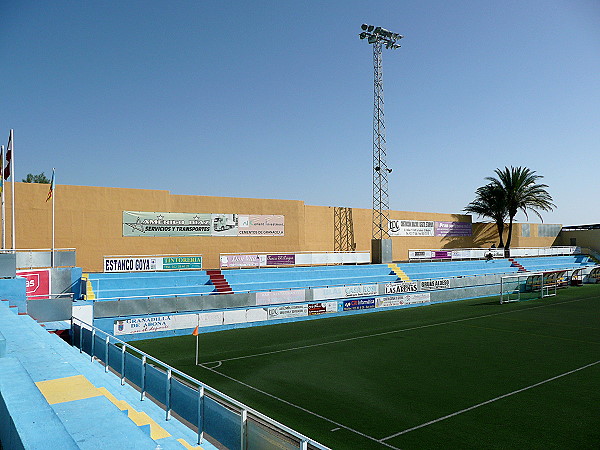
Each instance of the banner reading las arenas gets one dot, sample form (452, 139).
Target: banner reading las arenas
(139, 223)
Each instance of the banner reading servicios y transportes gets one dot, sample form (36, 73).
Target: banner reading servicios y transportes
(167, 224)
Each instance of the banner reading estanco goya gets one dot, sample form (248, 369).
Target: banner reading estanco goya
(140, 223)
(152, 263)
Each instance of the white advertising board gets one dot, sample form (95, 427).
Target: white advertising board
(143, 325)
(231, 317)
(210, 319)
(411, 227)
(331, 293)
(432, 285)
(401, 300)
(401, 288)
(274, 297)
(288, 311)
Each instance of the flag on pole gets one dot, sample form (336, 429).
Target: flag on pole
(51, 191)
(2, 177)
(9, 150)
(195, 332)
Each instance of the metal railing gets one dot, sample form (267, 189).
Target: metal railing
(178, 393)
(459, 254)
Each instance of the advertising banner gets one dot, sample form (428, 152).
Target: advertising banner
(288, 311)
(442, 254)
(410, 228)
(453, 229)
(360, 303)
(400, 288)
(37, 284)
(240, 261)
(140, 223)
(322, 308)
(331, 293)
(181, 262)
(152, 263)
(432, 285)
(281, 260)
(419, 254)
(401, 300)
(133, 264)
(143, 325)
(261, 225)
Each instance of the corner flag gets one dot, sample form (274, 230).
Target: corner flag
(195, 332)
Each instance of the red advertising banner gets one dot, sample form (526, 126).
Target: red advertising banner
(37, 284)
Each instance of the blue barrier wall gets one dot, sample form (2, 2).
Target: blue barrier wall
(13, 290)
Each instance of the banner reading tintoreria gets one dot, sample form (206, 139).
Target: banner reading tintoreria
(137, 223)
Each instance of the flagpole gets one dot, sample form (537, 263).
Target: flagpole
(2, 194)
(53, 196)
(197, 334)
(12, 174)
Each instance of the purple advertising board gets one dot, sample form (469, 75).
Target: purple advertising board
(442, 254)
(455, 229)
(240, 261)
(281, 260)
(360, 303)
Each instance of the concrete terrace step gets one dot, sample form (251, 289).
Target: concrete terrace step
(49, 359)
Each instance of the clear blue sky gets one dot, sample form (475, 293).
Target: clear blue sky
(273, 99)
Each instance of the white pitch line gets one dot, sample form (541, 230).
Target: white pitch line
(431, 422)
(383, 333)
(339, 425)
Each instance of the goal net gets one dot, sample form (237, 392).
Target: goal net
(531, 285)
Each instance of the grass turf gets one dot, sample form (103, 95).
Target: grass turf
(372, 376)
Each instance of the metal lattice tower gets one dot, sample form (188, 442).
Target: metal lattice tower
(378, 36)
(343, 229)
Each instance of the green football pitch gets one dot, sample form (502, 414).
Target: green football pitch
(466, 374)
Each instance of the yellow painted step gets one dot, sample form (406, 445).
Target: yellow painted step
(399, 272)
(89, 291)
(78, 387)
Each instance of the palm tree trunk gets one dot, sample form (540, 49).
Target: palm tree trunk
(500, 226)
(509, 238)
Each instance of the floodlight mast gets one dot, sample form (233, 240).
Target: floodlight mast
(379, 36)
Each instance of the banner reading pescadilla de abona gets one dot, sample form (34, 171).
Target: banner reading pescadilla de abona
(170, 224)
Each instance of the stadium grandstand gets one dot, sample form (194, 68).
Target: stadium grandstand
(122, 273)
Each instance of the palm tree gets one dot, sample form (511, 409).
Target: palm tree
(522, 193)
(490, 202)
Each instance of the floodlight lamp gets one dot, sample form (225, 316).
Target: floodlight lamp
(364, 26)
(372, 39)
(370, 29)
(362, 35)
(377, 30)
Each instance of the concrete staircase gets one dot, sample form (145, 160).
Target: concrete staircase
(219, 281)
(399, 272)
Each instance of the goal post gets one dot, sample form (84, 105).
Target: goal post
(531, 285)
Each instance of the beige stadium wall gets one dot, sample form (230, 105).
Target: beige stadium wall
(89, 219)
(583, 238)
